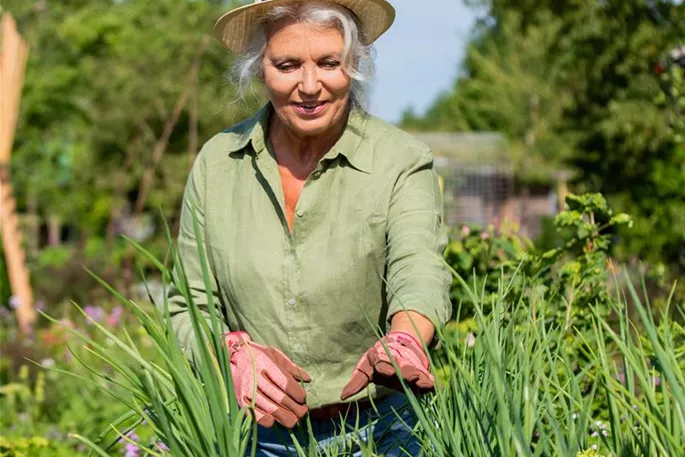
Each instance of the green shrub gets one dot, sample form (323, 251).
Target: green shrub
(23, 447)
(483, 258)
(570, 278)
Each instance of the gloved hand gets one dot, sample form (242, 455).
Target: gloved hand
(278, 395)
(375, 365)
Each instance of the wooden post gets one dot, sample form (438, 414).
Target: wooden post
(562, 178)
(12, 65)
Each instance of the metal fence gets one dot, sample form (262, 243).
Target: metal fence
(478, 175)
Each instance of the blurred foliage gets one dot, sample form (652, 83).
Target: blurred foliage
(483, 258)
(41, 405)
(5, 291)
(102, 79)
(566, 288)
(578, 272)
(588, 86)
(572, 279)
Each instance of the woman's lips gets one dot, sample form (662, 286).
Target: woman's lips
(310, 109)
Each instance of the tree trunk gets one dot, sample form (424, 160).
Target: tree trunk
(192, 138)
(54, 230)
(163, 142)
(32, 226)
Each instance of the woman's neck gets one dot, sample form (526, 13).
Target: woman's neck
(301, 152)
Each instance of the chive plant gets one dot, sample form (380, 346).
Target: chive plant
(517, 390)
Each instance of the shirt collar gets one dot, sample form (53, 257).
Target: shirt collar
(254, 130)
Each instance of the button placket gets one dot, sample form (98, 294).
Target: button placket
(291, 302)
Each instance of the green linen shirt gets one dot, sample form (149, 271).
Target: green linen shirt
(367, 242)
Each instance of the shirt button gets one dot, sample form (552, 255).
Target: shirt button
(300, 213)
(316, 175)
(291, 302)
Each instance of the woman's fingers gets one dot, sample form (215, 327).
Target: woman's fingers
(295, 403)
(385, 368)
(412, 374)
(285, 382)
(288, 365)
(289, 389)
(270, 411)
(363, 373)
(426, 381)
(263, 418)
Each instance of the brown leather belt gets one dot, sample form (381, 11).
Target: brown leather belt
(337, 410)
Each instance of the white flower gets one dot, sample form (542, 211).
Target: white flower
(47, 363)
(470, 340)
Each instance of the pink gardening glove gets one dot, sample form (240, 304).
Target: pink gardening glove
(375, 366)
(278, 395)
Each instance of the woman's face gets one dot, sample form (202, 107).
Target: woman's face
(304, 77)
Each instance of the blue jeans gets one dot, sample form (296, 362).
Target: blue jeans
(386, 430)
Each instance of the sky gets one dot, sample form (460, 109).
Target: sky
(419, 57)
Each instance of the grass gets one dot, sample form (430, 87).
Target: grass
(519, 390)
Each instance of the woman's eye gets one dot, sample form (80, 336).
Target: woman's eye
(288, 66)
(330, 64)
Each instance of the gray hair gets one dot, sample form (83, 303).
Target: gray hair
(357, 58)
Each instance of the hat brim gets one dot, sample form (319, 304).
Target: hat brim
(233, 29)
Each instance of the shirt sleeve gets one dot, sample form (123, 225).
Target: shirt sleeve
(193, 198)
(417, 277)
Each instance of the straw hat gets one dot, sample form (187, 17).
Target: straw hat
(233, 28)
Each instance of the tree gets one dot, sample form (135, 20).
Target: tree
(576, 83)
(101, 83)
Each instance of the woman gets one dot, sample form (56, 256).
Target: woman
(321, 224)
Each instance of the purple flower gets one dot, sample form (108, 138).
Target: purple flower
(465, 230)
(162, 446)
(14, 302)
(4, 313)
(115, 316)
(40, 305)
(131, 449)
(96, 313)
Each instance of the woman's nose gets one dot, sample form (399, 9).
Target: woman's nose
(310, 84)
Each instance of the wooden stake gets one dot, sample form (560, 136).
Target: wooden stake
(12, 65)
